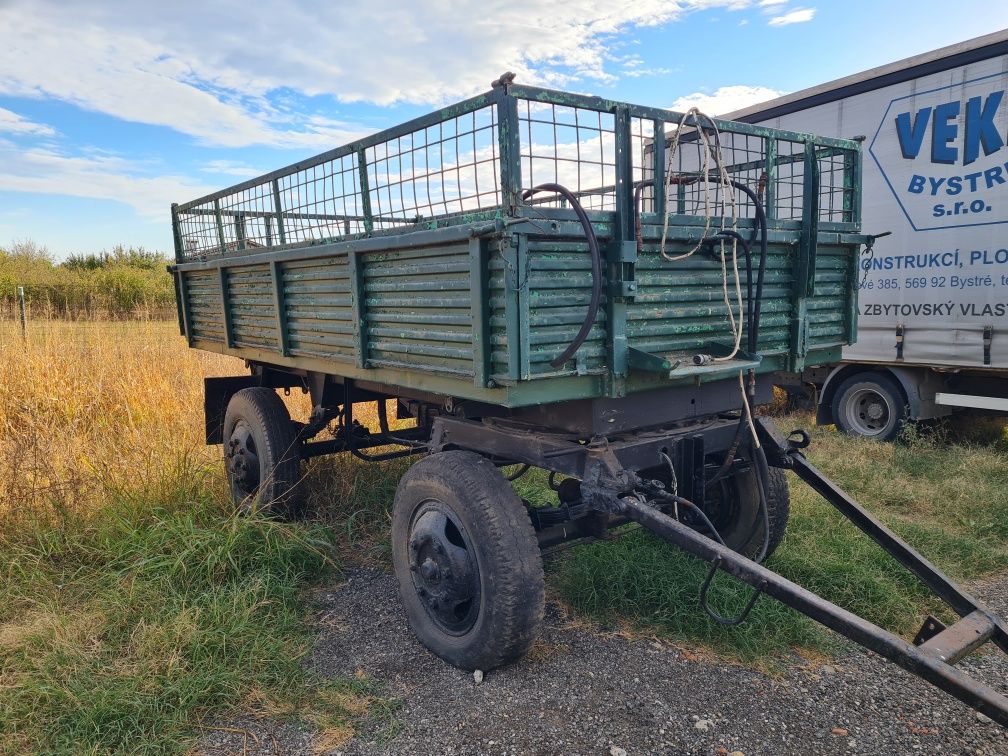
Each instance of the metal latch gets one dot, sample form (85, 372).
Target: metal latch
(899, 341)
(988, 337)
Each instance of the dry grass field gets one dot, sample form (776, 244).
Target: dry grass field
(136, 608)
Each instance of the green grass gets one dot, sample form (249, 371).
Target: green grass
(136, 610)
(945, 494)
(126, 630)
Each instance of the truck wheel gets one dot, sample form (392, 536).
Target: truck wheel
(870, 405)
(467, 560)
(262, 453)
(732, 504)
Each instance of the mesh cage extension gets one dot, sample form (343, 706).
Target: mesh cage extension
(447, 168)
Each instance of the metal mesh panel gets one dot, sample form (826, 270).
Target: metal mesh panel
(447, 169)
(836, 186)
(643, 164)
(322, 202)
(789, 181)
(575, 147)
(746, 160)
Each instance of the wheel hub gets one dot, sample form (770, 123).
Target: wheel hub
(868, 413)
(241, 460)
(445, 572)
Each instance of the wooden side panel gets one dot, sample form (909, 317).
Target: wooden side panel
(418, 310)
(828, 318)
(203, 301)
(679, 305)
(557, 293)
(251, 307)
(317, 301)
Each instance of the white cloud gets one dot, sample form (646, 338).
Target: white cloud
(214, 70)
(96, 176)
(768, 3)
(231, 168)
(725, 99)
(797, 16)
(12, 123)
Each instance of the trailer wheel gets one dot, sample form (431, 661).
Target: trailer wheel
(870, 405)
(262, 454)
(733, 506)
(467, 560)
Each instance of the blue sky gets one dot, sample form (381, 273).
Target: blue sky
(110, 111)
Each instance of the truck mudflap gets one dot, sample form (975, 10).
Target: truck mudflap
(935, 649)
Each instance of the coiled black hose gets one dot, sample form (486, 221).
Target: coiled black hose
(596, 263)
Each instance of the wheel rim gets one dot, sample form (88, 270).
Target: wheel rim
(443, 568)
(868, 412)
(242, 462)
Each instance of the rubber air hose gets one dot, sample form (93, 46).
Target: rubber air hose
(596, 267)
(747, 251)
(761, 221)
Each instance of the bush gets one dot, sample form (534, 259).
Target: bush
(124, 283)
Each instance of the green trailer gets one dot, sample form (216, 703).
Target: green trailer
(541, 279)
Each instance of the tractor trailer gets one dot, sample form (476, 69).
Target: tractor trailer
(932, 327)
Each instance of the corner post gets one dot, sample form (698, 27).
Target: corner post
(509, 141)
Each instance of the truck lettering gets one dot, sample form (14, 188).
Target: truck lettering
(926, 309)
(973, 310)
(914, 262)
(979, 130)
(986, 257)
(953, 185)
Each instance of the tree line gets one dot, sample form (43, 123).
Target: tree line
(123, 283)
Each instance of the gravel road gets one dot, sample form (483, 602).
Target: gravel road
(585, 691)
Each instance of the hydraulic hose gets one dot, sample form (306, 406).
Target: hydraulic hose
(747, 251)
(761, 222)
(596, 267)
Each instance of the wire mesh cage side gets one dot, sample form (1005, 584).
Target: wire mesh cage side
(461, 163)
(445, 170)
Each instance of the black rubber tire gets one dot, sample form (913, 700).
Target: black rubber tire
(278, 492)
(496, 528)
(743, 531)
(887, 393)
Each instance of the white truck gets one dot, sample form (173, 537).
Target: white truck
(933, 301)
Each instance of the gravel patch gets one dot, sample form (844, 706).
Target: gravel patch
(584, 691)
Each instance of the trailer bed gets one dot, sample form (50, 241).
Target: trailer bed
(411, 258)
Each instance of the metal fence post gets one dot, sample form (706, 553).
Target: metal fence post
(24, 312)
